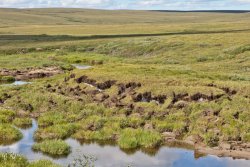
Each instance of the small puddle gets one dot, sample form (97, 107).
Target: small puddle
(16, 83)
(85, 67)
(81, 67)
(92, 86)
(113, 156)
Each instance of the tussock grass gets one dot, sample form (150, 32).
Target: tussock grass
(12, 160)
(59, 131)
(131, 138)
(6, 79)
(43, 163)
(53, 147)
(211, 59)
(6, 116)
(22, 122)
(9, 134)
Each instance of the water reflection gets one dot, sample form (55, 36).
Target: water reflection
(81, 67)
(109, 155)
(16, 83)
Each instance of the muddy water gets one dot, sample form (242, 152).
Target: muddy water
(113, 156)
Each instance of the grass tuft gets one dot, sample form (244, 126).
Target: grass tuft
(53, 147)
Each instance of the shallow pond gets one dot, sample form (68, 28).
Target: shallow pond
(16, 83)
(113, 156)
(81, 67)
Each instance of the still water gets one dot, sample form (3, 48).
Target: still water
(16, 83)
(113, 156)
(81, 67)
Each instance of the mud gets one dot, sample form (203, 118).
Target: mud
(31, 73)
(224, 153)
(223, 150)
(227, 90)
(148, 97)
(197, 97)
(102, 85)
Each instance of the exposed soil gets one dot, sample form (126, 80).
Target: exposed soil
(236, 150)
(31, 73)
(124, 90)
(224, 153)
(131, 92)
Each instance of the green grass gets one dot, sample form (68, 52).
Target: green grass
(60, 131)
(131, 138)
(6, 116)
(53, 147)
(9, 134)
(170, 54)
(14, 160)
(43, 163)
(22, 122)
(7, 79)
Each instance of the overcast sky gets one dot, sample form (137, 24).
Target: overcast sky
(132, 4)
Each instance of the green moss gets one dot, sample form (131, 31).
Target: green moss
(53, 147)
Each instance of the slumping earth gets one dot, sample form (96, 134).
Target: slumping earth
(176, 80)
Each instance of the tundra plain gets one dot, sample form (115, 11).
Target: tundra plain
(155, 78)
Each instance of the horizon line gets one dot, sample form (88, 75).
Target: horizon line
(167, 10)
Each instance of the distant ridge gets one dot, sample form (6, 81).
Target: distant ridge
(205, 11)
(173, 11)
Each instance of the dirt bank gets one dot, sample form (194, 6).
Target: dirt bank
(236, 151)
(31, 73)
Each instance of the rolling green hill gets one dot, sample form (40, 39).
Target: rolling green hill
(86, 22)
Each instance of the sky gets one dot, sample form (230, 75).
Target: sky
(132, 4)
